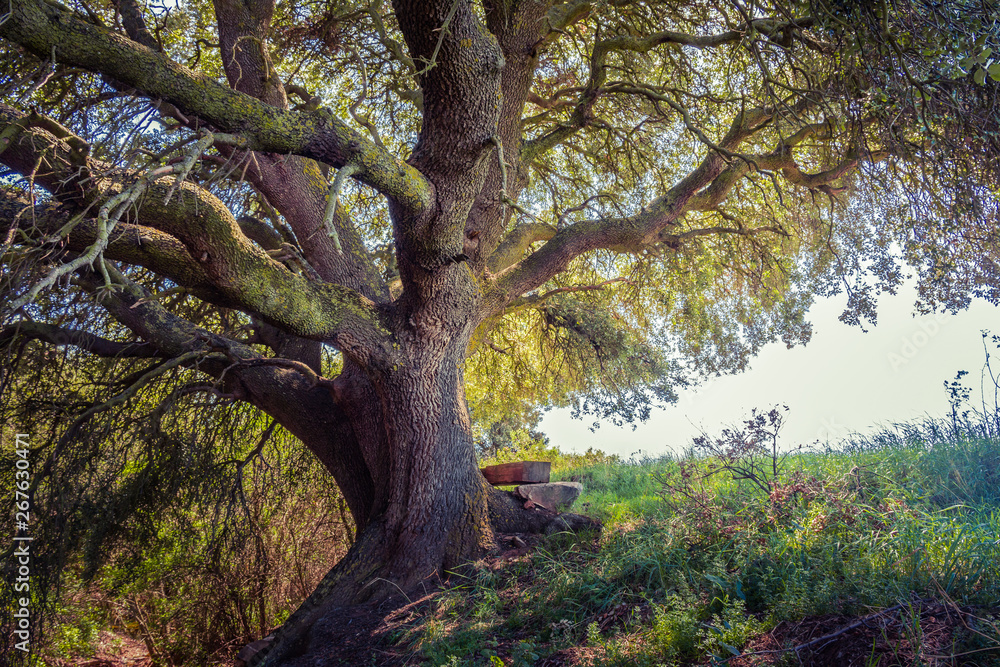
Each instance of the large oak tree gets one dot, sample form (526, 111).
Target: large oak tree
(335, 212)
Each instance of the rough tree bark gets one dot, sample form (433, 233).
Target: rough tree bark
(393, 428)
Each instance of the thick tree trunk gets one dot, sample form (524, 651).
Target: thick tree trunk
(423, 508)
(427, 512)
(438, 498)
(432, 499)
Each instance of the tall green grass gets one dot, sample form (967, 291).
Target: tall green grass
(700, 563)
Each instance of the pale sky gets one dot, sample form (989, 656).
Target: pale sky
(843, 381)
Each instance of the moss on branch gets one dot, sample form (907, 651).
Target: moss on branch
(44, 27)
(195, 237)
(514, 245)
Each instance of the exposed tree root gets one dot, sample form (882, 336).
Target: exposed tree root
(367, 576)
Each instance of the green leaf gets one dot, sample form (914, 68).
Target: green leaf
(994, 71)
(739, 590)
(979, 77)
(731, 649)
(986, 53)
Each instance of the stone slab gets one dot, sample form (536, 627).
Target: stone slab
(519, 472)
(555, 496)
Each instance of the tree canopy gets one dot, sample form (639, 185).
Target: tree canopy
(387, 227)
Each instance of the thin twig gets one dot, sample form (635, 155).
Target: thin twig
(331, 202)
(538, 298)
(443, 30)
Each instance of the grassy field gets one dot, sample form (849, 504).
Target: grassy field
(882, 551)
(885, 552)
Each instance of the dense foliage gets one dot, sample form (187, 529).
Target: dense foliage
(391, 233)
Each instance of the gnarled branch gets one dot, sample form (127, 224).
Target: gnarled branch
(41, 26)
(56, 335)
(239, 270)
